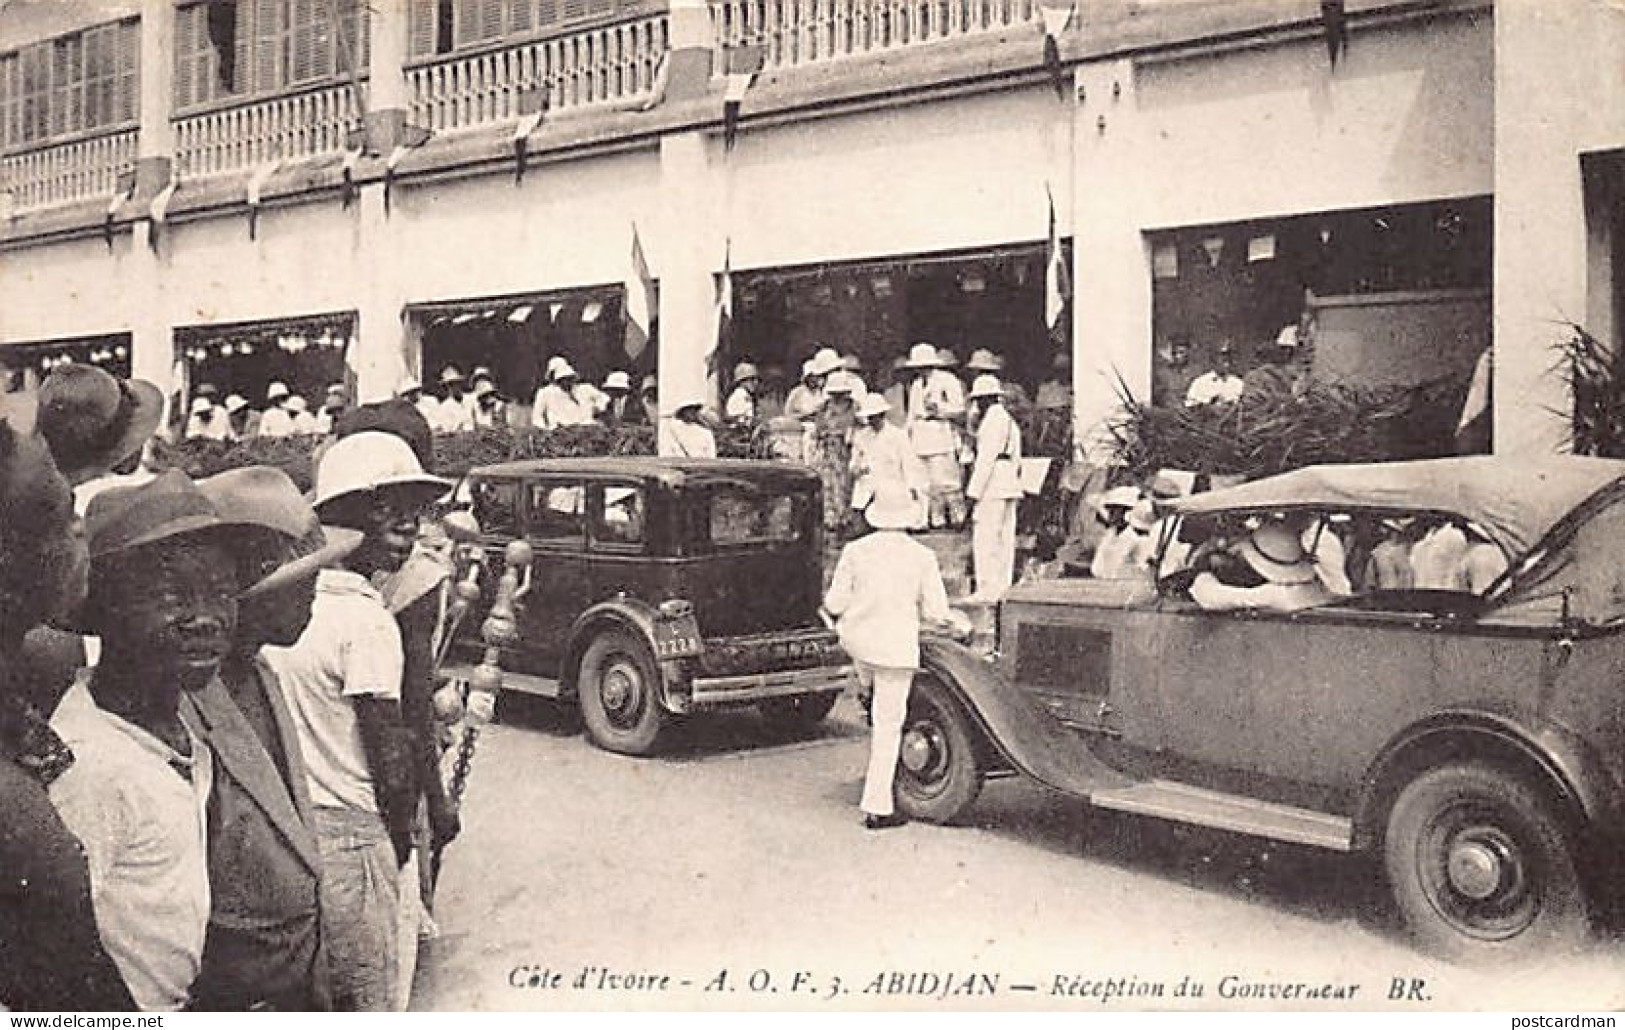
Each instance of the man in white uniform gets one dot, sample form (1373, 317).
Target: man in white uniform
(276, 421)
(882, 456)
(557, 404)
(740, 408)
(995, 490)
(936, 407)
(885, 585)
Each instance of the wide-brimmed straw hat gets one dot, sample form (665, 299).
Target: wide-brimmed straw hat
(984, 360)
(264, 496)
(986, 386)
(618, 381)
(373, 461)
(873, 404)
(1275, 552)
(923, 355)
(91, 419)
(826, 361)
(893, 508)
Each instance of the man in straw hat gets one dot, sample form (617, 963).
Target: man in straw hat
(263, 949)
(163, 600)
(808, 395)
(342, 681)
(451, 411)
(936, 406)
(740, 409)
(276, 420)
(621, 408)
(994, 489)
(557, 403)
(1272, 572)
(691, 435)
(985, 361)
(51, 956)
(95, 425)
(885, 585)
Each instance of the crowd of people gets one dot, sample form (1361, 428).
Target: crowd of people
(221, 759)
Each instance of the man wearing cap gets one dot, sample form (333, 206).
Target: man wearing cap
(1220, 385)
(882, 457)
(1271, 571)
(263, 946)
(936, 406)
(621, 408)
(885, 585)
(240, 417)
(740, 409)
(51, 955)
(556, 403)
(276, 420)
(691, 437)
(163, 599)
(994, 490)
(342, 682)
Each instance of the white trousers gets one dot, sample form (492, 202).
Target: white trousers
(887, 713)
(993, 546)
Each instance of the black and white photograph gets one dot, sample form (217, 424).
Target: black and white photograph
(830, 506)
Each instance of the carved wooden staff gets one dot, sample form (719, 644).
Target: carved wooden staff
(499, 630)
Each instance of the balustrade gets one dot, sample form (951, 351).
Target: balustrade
(69, 171)
(290, 127)
(798, 32)
(591, 66)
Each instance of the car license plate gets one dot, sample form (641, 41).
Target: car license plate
(677, 638)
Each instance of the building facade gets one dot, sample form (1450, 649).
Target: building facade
(243, 189)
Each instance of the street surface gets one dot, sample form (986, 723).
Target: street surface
(732, 872)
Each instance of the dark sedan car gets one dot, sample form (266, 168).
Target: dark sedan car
(1474, 742)
(664, 586)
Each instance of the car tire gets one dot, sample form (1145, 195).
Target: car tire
(618, 686)
(796, 714)
(1482, 866)
(939, 768)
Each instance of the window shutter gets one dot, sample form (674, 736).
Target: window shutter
(353, 18)
(520, 16)
(477, 21)
(99, 75)
(8, 101)
(547, 13)
(270, 45)
(127, 54)
(492, 16)
(421, 18)
(67, 85)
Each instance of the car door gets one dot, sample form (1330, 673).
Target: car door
(556, 526)
(1306, 698)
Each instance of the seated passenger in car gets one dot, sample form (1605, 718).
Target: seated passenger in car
(1268, 570)
(1454, 555)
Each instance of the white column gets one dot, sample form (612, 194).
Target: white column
(382, 343)
(389, 36)
(684, 255)
(1111, 301)
(157, 77)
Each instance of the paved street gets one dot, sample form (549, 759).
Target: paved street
(739, 853)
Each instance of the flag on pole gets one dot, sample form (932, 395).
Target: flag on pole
(638, 306)
(1473, 424)
(1056, 16)
(180, 397)
(743, 63)
(1057, 282)
(724, 312)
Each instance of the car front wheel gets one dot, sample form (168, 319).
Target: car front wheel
(939, 773)
(1482, 866)
(619, 686)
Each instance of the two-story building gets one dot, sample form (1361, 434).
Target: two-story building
(241, 191)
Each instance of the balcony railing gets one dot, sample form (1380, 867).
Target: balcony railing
(73, 170)
(289, 127)
(599, 65)
(798, 32)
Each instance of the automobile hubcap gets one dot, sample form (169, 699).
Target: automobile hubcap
(621, 691)
(1482, 864)
(923, 752)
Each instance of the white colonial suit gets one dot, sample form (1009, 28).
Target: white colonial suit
(995, 489)
(884, 585)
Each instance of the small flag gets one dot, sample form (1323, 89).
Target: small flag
(352, 366)
(180, 390)
(389, 172)
(743, 64)
(521, 140)
(1057, 283)
(1473, 425)
(638, 307)
(256, 187)
(720, 343)
(125, 190)
(1056, 17)
(1333, 22)
(348, 193)
(159, 212)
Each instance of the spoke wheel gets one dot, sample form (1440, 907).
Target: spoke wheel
(1482, 865)
(619, 688)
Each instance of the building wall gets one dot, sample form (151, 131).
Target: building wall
(1560, 68)
(1406, 115)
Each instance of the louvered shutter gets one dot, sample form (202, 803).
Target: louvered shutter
(353, 20)
(185, 44)
(270, 45)
(547, 13)
(477, 21)
(245, 48)
(127, 62)
(520, 16)
(99, 75)
(67, 85)
(36, 91)
(422, 17)
(9, 98)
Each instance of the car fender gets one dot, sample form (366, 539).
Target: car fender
(1562, 759)
(626, 613)
(1019, 733)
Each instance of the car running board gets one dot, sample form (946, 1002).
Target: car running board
(524, 683)
(1180, 802)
